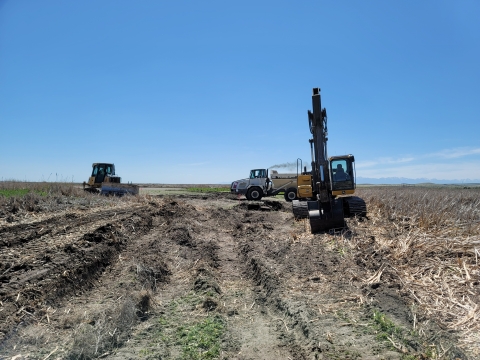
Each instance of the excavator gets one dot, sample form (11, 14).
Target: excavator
(104, 181)
(325, 193)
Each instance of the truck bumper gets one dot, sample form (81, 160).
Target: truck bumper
(241, 191)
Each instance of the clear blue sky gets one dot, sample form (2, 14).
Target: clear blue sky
(204, 91)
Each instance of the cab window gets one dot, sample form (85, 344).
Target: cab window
(258, 173)
(342, 174)
(340, 170)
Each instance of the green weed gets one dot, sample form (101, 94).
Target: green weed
(208, 189)
(13, 192)
(20, 192)
(178, 335)
(387, 331)
(201, 340)
(385, 326)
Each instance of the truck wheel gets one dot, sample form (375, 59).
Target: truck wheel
(290, 194)
(254, 193)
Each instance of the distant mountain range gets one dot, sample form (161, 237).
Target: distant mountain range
(401, 180)
(398, 180)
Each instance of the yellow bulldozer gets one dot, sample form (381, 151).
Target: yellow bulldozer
(104, 181)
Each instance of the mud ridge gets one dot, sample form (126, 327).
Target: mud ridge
(22, 233)
(64, 270)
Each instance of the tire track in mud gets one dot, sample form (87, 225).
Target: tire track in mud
(283, 285)
(326, 309)
(46, 268)
(291, 325)
(186, 261)
(254, 332)
(202, 257)
(241, 263)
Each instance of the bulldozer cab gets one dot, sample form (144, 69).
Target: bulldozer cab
(342, 174)
(258, 174)
(100, 171)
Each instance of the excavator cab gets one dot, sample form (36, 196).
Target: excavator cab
(342, 174)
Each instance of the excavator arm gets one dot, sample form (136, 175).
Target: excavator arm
(326, 212)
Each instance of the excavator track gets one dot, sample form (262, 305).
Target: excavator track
(300, 209)
(354, 206)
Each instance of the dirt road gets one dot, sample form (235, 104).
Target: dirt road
(198, 277)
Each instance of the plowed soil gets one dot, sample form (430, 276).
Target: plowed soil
(130, 280)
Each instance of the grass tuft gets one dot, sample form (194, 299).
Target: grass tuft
(209, 189)
(187, 330)
(385, 326)
(201, 340)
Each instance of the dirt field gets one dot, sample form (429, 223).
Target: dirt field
(210, 276)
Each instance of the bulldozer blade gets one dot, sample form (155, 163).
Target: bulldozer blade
(119, 189)
(91, 190)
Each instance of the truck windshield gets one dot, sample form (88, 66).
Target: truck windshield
(258, 173)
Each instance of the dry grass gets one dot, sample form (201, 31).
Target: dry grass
(17, 197)
(428, 239)
(21, 201)
(442, 211)
(46, 188)
(99, 333)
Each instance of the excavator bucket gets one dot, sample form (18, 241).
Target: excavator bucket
(326, 217)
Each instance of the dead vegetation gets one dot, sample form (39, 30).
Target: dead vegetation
(42, 188)
(98, 333)
(266, 275)
(428, 239)
(22, 202)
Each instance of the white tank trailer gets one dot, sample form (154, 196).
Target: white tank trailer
(259, 185)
